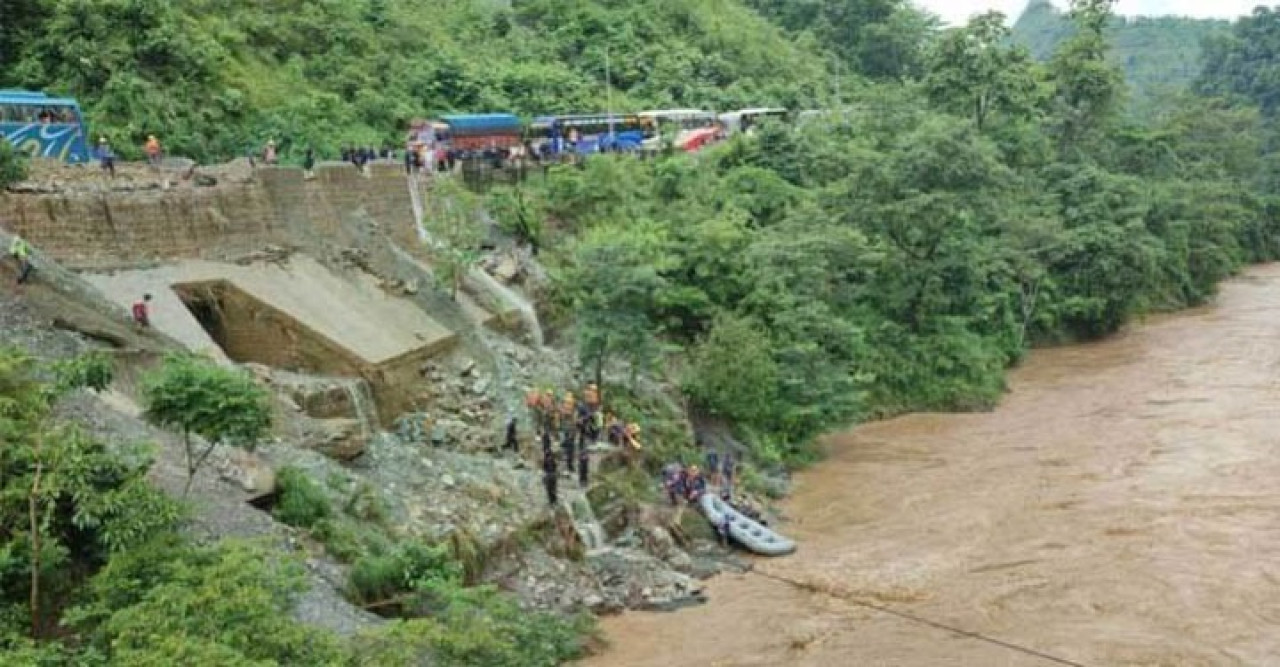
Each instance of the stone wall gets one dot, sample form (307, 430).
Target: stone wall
(101, 229)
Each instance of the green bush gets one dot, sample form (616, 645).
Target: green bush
(13, 165)
(410, 567)
(302, 503)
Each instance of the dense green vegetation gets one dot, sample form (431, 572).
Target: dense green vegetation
(901, 256)
(95, 573)
(1159, 55)
(214, 78)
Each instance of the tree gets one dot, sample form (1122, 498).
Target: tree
(453, 224)
(1087, 88)
(732, 372)
(974, 71)
(217, 404)
(610, 281)
(519, 213)
(1246, 62)
(78, 501)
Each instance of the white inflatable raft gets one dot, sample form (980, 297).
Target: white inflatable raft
(747, 532)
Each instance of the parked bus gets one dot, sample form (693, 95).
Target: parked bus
(744, 120)
(43, 126)
(590, 133)
(688, 129)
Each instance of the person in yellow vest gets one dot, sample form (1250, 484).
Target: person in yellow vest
(20, 250)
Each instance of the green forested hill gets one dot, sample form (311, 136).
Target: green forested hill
(1159, 55)
(214, 77)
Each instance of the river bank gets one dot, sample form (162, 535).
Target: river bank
(1116, 508)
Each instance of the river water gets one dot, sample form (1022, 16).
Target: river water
(1120, 507)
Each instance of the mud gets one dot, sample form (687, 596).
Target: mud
(1120, 507)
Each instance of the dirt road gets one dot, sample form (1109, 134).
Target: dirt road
(1120, 507)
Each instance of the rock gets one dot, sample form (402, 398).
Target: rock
(248, 471)
(481, 387)
(439, 435)
(205, 181)
(447, 481)
(468, 367)
(507, 269)
(339, 439)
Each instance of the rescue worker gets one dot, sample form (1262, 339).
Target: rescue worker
(713, 466)
(20, 250)
(546, 443)
(671, 482)
(728, 468)
(550, 477)
(694, 485)
(584, 464)
(547, 404)
(511, 442)
(591, 396)
(533, 402)
(141, 316)
(567, 412)
(722, 529)
(583, 423)
(597, 425)
(566, 446)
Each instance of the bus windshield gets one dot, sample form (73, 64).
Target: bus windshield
(43, 126)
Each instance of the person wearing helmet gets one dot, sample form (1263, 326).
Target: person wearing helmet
(695, 485)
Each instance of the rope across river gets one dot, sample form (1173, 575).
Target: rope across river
(917, 619)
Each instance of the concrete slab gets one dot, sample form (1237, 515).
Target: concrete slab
(351, 311)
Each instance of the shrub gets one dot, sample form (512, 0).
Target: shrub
(302, 502)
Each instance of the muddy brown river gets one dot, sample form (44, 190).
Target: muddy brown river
(1120, 507)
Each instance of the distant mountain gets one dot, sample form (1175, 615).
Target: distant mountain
(1158, 54)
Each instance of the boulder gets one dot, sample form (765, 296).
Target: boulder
(250, 472)
(340, 439)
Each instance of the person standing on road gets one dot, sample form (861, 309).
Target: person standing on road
(106, 157)
(153, 151)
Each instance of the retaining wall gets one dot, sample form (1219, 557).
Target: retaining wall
(85, 229)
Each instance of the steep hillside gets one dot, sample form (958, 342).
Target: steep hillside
(1158, 54)
(216, 77)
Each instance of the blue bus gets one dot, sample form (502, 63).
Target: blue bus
(591, 133)
(43, 126)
